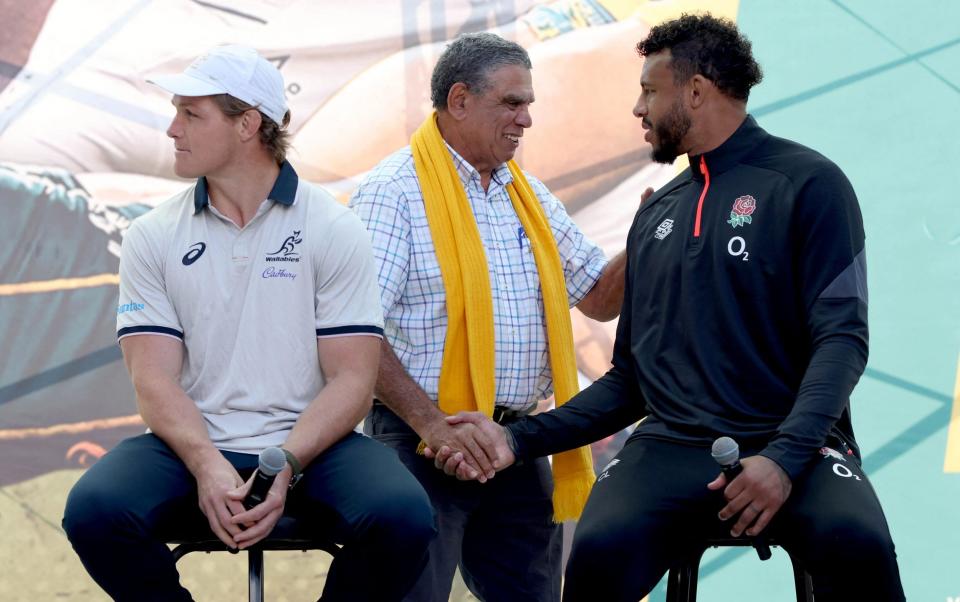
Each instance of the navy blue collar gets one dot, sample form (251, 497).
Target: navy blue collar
(284, 189)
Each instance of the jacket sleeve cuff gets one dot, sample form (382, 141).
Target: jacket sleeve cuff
(791, 463)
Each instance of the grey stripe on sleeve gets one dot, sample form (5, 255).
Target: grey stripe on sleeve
(851, 282)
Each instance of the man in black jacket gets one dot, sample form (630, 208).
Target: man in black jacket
(745, 315)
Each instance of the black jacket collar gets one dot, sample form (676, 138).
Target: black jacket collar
(746, 138)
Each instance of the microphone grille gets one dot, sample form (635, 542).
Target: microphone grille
(272, 461)
(725, 451)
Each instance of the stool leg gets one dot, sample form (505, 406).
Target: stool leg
(802, 582)
(681, 585)
(682, 579)
(255, 574)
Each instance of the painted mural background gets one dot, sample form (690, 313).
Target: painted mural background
(874, 85)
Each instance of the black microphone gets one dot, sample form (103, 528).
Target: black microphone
(727, 454)
(272, 461)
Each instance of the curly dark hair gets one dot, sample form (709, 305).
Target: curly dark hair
(710, 46)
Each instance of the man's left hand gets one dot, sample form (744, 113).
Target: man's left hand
(451, 461)
(646, 195)
(260, 520)
(756, 494)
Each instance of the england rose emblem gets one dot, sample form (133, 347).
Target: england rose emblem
(742, 208)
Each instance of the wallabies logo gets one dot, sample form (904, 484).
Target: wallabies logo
(287, 251)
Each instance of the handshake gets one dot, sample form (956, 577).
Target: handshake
(469, 446)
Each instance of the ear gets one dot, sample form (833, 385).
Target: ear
(697, 90)
(249, 124)
(457, 100)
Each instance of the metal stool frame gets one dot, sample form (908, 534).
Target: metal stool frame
(288, 534)
(682, 579)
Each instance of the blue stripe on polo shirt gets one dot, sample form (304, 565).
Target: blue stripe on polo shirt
(354, 329)
(149, 329)
(284, 189)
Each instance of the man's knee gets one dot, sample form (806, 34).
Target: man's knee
(91, 513)
(413, 519)
(870, 539)
(402, 514)
(597, 547)
(595, 567)
(851, 555)
(617, 556)
(851, 533)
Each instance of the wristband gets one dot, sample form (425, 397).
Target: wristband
(294, 466)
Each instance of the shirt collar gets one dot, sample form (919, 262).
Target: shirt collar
(284, 189)
(501, 174)
(746, 137)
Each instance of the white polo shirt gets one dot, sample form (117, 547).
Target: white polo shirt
(249, 303)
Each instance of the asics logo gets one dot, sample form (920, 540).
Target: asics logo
(196, 250)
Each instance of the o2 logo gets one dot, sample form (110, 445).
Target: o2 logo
(842, 471)
(737, 247)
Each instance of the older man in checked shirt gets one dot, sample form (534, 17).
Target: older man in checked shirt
(501, 533)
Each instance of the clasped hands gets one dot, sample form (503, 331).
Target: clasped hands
(468, 445)
(221, 492)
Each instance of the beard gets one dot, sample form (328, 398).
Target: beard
(669, 134)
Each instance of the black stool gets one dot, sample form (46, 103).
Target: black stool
(682, 580)
(288, 534)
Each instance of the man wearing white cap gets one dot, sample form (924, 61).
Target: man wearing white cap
(249, 317)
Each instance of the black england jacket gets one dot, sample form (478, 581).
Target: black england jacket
(745, 312)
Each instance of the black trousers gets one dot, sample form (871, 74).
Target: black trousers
(123, 509)
(652, 505)
(500, 533)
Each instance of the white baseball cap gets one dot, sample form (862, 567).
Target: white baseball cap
(235, 70)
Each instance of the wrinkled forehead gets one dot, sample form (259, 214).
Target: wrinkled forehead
(511, 82)
(190, 101)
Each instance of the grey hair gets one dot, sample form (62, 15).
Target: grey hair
(470, 59)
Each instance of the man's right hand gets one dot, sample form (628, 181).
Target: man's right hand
(466, 438)
(215, 478)
(755, 496)
(453, 462)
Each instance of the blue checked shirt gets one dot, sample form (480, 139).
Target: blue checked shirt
(390, 203)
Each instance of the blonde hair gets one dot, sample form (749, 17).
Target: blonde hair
(274, 137)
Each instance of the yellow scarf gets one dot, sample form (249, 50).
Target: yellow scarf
(467, 373)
